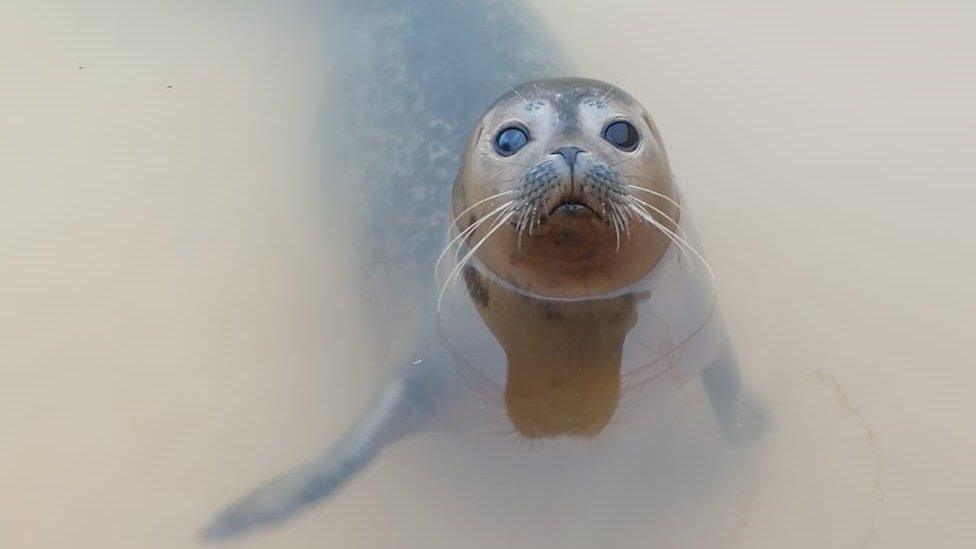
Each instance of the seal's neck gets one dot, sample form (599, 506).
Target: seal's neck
(565, 379)
(564, 357)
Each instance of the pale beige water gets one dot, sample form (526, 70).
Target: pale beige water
(174, 326)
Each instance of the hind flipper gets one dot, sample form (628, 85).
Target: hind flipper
(401, 408)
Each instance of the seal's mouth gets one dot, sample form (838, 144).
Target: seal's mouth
(577, 207)
(572, 208)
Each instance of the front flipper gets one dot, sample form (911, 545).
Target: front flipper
(401, 408)
(739, 417)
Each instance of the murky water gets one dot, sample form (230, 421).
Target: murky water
(181, 321)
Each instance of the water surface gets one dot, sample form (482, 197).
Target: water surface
(178, 323)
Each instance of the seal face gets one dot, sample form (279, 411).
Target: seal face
(565, 189)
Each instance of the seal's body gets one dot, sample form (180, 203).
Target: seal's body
(407, 83)
(558, 213)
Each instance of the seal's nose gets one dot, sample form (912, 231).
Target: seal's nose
(568, 154)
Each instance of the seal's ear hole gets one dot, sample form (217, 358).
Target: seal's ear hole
(622, 134)
(510, 140)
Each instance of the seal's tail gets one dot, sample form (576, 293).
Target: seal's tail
(397, 411)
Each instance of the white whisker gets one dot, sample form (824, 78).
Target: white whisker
(626, 216)
(476, 204)
(655, 193)
(618, 221)
(682, 244)
(522, 97)
(467, 231)
(677, 227)
(520, 224)
(624, 213)
(457, 269)
(649, 219)
(611, 215)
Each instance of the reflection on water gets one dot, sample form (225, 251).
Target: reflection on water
(178, 327)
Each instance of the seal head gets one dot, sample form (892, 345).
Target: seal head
(564, 189)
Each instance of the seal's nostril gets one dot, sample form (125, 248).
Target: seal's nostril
(568, 154)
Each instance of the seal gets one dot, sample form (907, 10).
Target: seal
(564, 195)
(584, 278)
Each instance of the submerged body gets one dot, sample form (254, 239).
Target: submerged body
(584, 278)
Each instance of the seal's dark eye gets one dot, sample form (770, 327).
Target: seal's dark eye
(622, 135)
(510, 140)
